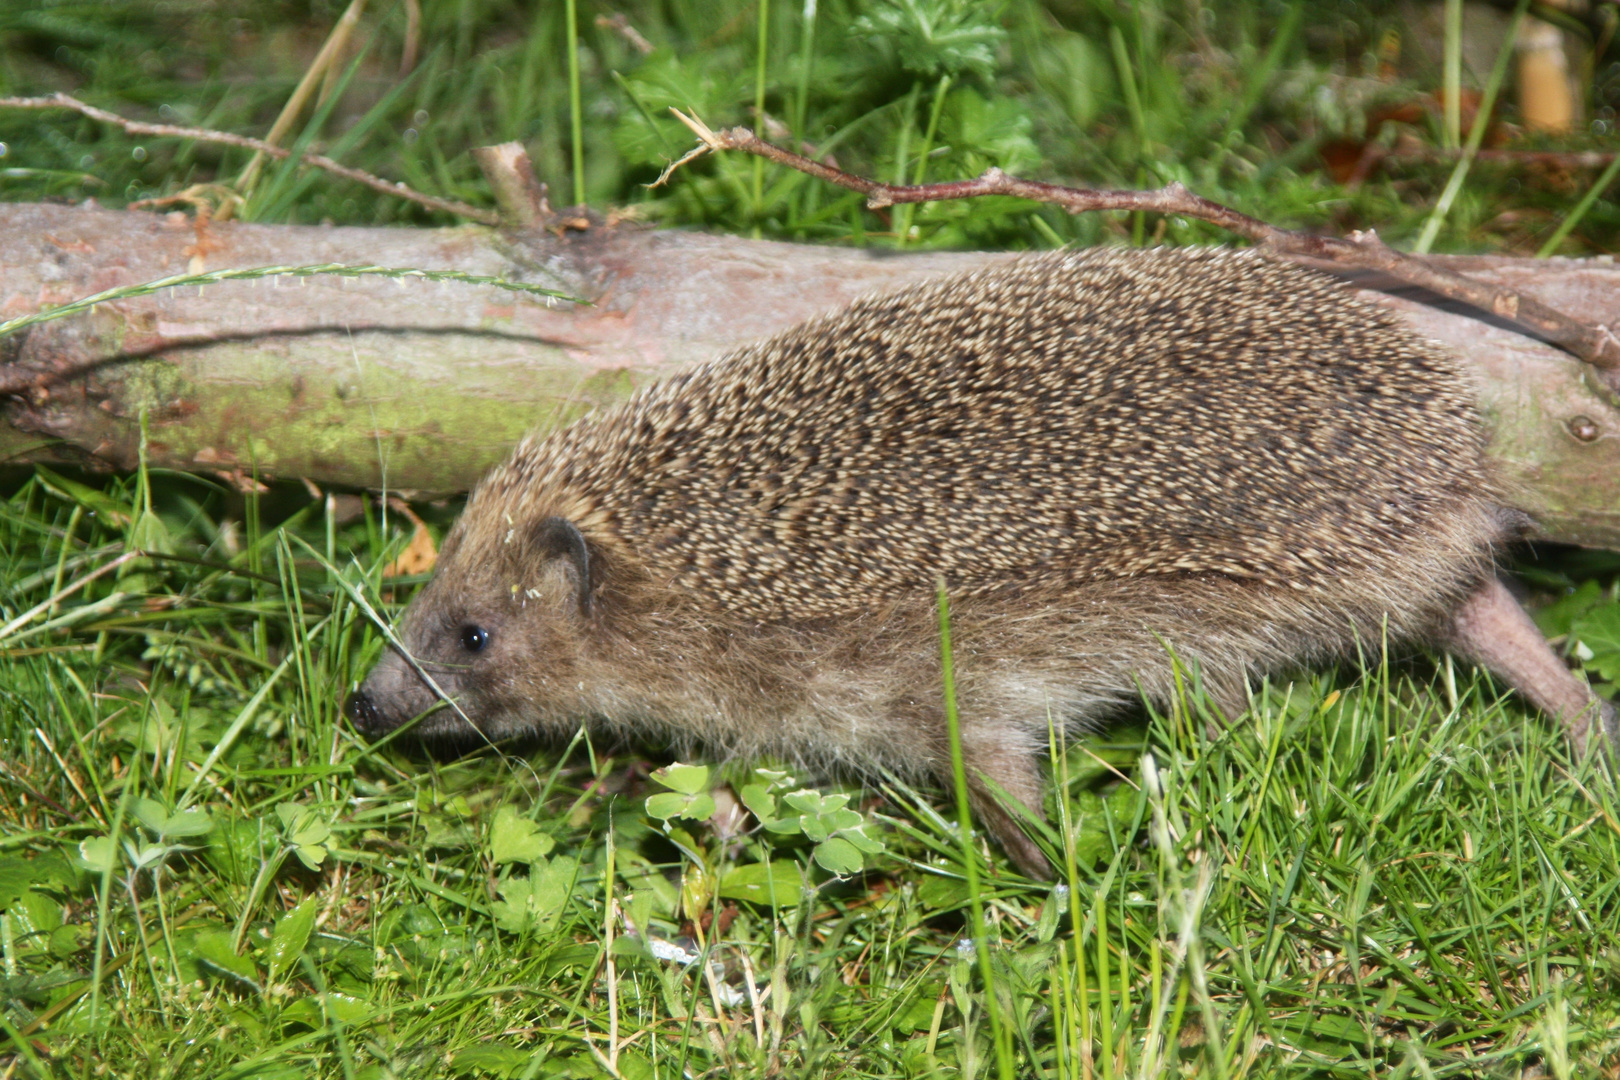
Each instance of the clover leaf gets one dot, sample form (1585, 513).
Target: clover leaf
(305, 834)
(688, 796)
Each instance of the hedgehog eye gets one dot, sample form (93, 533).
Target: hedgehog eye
(474, 638)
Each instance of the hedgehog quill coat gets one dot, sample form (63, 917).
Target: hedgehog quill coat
(1110, 458)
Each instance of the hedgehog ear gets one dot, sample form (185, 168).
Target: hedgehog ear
(559, 538)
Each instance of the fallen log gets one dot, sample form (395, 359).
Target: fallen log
(422, 385)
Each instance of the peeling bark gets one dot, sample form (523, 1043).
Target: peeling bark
(426, 384)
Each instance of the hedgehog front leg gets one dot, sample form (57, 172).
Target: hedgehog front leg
(1017, 773)
(995, 754)
(1491, 629)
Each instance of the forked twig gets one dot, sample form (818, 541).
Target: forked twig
(320, 161)
(1594, 343)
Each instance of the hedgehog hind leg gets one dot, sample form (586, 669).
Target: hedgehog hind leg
(1491, 629)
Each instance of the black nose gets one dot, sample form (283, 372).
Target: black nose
(362, 713)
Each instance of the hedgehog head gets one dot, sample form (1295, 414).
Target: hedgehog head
(490, 649)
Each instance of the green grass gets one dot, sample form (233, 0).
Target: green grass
(1391, 871)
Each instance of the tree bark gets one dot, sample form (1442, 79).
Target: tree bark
(422, 386)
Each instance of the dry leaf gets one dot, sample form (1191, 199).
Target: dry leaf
(419, 555)
(242, 482)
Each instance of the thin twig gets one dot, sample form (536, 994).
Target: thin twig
(320, 161)
(621, 26)
(1595, 344)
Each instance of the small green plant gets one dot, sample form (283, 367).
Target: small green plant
(688, 796)
(304, 833)
(1586, 618)
(839, 835)
(930, 38)
(162, 830)
(516, 839)
(531, 903)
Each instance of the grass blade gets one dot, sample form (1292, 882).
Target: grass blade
(1573, 218)
(970, 857)
(575, 110)
(1476, 134)
(252, 273)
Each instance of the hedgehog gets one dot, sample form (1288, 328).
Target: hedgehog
(1120, 465)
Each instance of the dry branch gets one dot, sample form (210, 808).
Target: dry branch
(1591, 342)
(170, 131)
(428, 384)
(518, 191)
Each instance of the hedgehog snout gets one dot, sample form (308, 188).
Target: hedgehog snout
(363, 714)
(392, 694)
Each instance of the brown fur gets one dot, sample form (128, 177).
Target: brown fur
(1112, 458)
